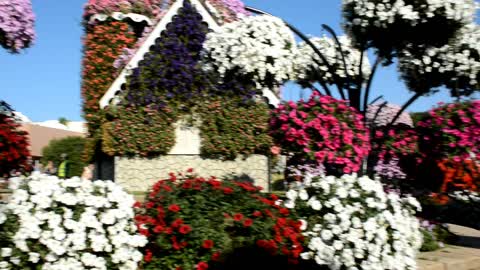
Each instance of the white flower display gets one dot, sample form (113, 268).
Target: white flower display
(391, 24)
(351, 223)
(69, 224)
(307, 61)
(466, 196)
(456, 65)
(261, 48)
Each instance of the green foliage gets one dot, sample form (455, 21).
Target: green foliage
(190, 220)
(139, 131)
(229, 129)
(73, 147)
(434, 236)
(64, 121)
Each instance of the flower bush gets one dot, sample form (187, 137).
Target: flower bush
(16, 24)
(455, 65)
(435, 235)
(257, 48)
(451, 131)
(460, 175)
(322, 129)
(391, 26)
(139, 131)
(309, 71)
(351, 223)
(145, 7)
(51, 223)
(14, 152)
(192, 222)
(229, 129)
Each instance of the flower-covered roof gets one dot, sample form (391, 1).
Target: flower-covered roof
(213, 13)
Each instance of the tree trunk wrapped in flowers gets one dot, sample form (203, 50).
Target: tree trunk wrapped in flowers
(14, 152)
(194, 223)
(16, 24)
(322, 130)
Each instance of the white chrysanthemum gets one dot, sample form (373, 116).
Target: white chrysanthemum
(456, 65)
(358, 224)
(260, 47)
(307, 61)
(79, 224)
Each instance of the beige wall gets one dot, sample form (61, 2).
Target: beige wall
(40, 136)
(139, 174)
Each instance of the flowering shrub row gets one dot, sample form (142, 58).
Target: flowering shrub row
(16, 24)
(53, 224)
(191, 222)
(14, 145)
(322, 129)
(351, 223)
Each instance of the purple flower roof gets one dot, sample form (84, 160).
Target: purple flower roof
(16, 24)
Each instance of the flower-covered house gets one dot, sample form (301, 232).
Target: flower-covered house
(152, 104)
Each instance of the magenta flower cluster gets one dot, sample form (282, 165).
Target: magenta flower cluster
(452, 131)
(323, 130)
(16, 24)
(229, 10)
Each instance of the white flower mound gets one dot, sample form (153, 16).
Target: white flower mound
(69, 224)
(351, 223)
(307, 61)
(259, 47)
(456, 65)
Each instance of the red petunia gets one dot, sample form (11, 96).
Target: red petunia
(257, 214)
(227, 190)
(177, 223)
(202, 266)
(174, 208)
(208, 244)
(248, 222)
(184, 229)
(149, 205)
(237, 217)
(284, 211)
(216, 256)
(158, 229)
(190, 170)
(137, 205)
(148, 256)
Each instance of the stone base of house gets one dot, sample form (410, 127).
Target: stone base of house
(139, 174)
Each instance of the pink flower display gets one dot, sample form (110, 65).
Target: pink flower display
(322, 129)
(381, 114)
(452, 131)
(144, 7)
(16, 24)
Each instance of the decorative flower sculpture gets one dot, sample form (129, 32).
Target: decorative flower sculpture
(308, 68)
(258, 48)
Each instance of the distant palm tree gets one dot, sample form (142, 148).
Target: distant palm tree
(64, 121)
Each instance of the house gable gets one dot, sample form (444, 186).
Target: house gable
(111, 96)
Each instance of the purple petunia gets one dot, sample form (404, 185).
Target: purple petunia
(16, 24)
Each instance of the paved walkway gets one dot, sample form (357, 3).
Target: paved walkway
(464, 256)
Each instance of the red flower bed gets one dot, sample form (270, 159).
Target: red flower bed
(14, 144)
(191, 222)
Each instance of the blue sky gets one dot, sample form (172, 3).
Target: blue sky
(43, 82)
